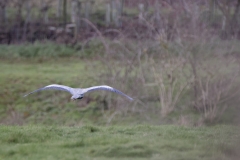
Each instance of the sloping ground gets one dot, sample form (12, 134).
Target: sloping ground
(21, 75)
(115, 142)
(20, 78)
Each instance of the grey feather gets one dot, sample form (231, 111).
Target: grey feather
(77, 93)
(106, 88)
(53, 87)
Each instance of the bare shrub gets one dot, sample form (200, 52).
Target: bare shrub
(185, 120)
(216, 85)
(160, 71)
(172, 81)
(13, 117)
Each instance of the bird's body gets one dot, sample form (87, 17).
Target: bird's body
(78, 93)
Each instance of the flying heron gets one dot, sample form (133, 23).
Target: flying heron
(77, 93)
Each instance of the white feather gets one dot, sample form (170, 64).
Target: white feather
(77, 92)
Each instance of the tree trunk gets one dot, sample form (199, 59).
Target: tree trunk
(108, 14)
(120, 12)
(157, 13)
(231, 21)
(235, 20)
(27, 19)
(141, 12)
(2, 13)
(116, 12)
(59, 8)
(45, 8)
(19, 19)
(65, 12)
(75, 15)
(212, 9)
(87, 11)
(195, 83)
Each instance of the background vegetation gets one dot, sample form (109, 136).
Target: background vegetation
(179, 60)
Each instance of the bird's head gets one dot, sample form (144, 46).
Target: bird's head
(74, 97)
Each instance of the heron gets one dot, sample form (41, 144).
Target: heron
(78, 93)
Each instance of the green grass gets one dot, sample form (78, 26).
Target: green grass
(19, 78)
(43, 51)
(27, 67)
(136, 142)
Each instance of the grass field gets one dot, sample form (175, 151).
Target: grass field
(180, 64)
(116, 142)
(18, 78)
(101, 125)
(27, 67)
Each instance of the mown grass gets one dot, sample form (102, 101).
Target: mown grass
(136, 142)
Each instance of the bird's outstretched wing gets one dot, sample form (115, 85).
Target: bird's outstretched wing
(53, 87)
(107, 88)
